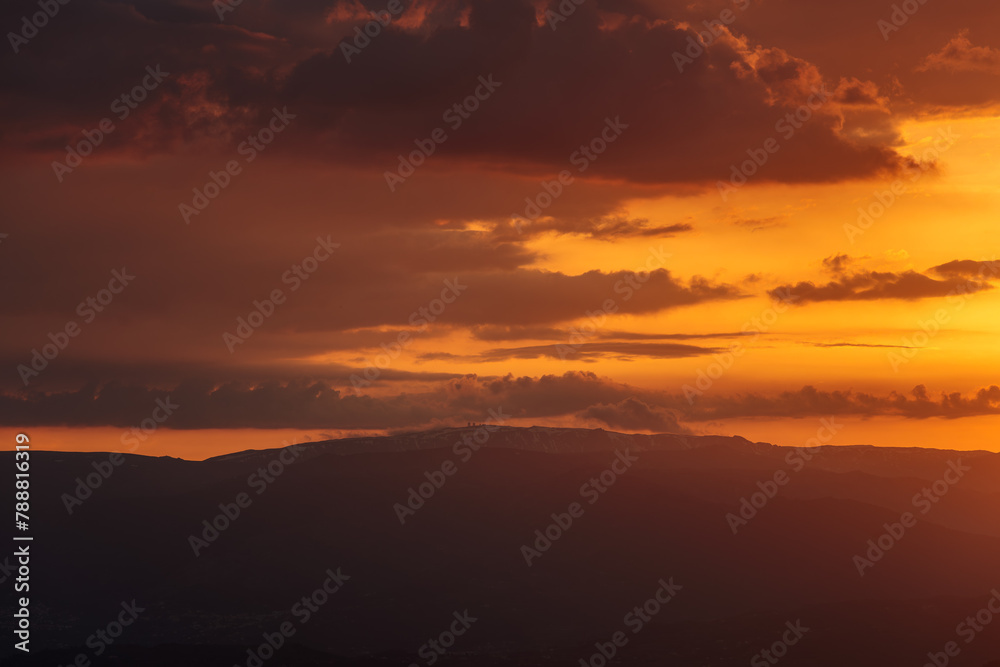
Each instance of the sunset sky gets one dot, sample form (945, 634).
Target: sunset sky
(591, 239)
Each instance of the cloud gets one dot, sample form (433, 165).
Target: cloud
(968, 268)
(497, 333)
(879, 285)
(861, 345)
(576, 351)
(192, 283)
(857, 93)
(632, 414)
(891, 64)
(757, 224)
(226, 77)
(959, 55)
(608, 228)
(311, 404)
(810, 402)
(314, 404)
(296, 404)
(837, 263)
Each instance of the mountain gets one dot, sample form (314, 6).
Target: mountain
(418, 531)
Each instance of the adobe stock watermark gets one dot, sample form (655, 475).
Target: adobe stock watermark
(122, 106)
(928, 329)
(421, 318)
(223, 7)
(30, 25)
(779, 649)
(432, 650)
(581, 158)
(21, 619)
(750, 506)
(303, 611)
(592, 490)
(885, 199)
(786, 127)
(372, 29)
(562, 12)
(898, 17)
(87, 485)
(716, 29)
(923, 501)
(472, 441)
(635, 620)
(627, 287)
(263, 310)
(454, 116)
(249, 149)
(260, 481)
(752, 329)
(968, 630)
(88, 310)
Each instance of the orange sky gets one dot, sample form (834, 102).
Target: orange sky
(916, 112)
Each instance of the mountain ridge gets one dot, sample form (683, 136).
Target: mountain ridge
(437, 439)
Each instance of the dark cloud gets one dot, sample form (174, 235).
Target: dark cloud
(497, 333)
(860, 345)
(632, 414)
(878, 285)
(194, 281)
(582, 351)
(313, 404)
(812, 402)
(307, 405)
(757, 224)
(837, 263)
(227, 76)
(310, 404)
(630, 66)
(968, 268)
(70, 374)
(609, 228)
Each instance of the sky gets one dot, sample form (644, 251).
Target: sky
(231, 226)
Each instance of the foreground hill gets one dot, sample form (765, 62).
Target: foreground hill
(429, 525)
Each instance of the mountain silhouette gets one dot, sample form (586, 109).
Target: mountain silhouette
(550, 538)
